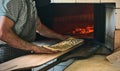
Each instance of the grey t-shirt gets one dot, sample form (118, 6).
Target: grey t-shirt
(22, 13)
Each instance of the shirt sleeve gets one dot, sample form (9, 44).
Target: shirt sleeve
(10, 9)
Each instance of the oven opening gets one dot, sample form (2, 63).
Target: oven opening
(87, 21)
(74, 19)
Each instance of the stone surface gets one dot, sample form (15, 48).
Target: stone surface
(96, 63)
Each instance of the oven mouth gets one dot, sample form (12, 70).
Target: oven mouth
(58, 17)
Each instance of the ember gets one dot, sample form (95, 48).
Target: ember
(81, 30)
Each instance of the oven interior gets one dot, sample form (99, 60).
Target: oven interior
(86, 21)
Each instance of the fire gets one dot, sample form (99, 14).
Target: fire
(86, 30)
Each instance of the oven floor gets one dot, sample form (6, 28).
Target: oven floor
(95, 63)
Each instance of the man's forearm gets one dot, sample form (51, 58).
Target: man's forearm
(44, 31)
(8, 36)
(13, 40)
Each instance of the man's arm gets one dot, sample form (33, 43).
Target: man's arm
(8, 36)
(44, 31)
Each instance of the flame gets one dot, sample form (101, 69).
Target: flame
(86, 30)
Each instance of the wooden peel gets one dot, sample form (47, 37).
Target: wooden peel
(33, 60)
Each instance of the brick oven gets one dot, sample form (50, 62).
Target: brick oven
(87, 19)
(90, 19)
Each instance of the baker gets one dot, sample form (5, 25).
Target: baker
(18, 26)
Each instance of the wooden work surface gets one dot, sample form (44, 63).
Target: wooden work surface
(30, 61)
